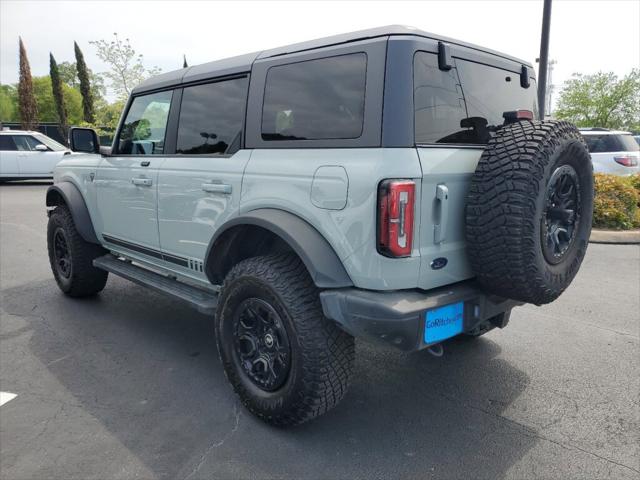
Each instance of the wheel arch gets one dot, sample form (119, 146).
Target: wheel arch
(268, 230)
(67, 194)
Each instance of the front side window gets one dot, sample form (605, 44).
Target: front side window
(315, 99)
(465, 104)
(25, 142)
(144, 128)
(211, 117)
(7, 144)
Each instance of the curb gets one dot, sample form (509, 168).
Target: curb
(624, 237)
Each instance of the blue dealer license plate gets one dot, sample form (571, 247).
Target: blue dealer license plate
(443, 322)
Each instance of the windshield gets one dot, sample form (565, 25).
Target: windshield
(52, 144)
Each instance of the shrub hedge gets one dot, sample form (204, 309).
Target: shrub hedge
(617, 202)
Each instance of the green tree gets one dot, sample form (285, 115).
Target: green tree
(85, 84)
(58, 96)
(43, 92)
(8, 103)
(127, 67)
(69, 75)
(26, 100)
(601, 100)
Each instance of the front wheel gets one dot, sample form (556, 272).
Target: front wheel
(71, 257)
(286, 361)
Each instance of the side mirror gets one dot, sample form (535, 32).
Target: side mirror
(41, 148)
(84, 140)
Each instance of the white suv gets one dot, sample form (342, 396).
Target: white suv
(612, 151)
(26, 154)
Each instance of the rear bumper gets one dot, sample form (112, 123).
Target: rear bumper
(397, 318)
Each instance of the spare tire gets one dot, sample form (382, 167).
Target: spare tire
(529, 210)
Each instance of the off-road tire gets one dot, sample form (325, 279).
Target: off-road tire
(83, 279)
(508, 208)
(322, 354)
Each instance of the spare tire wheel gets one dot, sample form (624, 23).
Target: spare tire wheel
(529, 210)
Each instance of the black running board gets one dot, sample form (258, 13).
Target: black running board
(202, 300)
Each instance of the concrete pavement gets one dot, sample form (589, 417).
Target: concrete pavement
(128, 385)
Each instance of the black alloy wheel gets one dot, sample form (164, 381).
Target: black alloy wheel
(562, 213)
(261, 344)
(61, 253)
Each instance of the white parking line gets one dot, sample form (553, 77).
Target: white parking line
(6, 397)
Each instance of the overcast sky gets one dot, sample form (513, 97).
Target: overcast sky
(586, 35)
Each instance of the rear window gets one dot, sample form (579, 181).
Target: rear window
(315, 99)
(611, 143)
(461, 105)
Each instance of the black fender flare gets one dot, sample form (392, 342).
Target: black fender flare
(73, 199)
(322, 262)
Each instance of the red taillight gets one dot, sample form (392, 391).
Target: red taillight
(524, 115)
(395, 217)
(627, 161)
(517, 115)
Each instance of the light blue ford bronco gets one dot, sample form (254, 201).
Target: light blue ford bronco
(387, 184)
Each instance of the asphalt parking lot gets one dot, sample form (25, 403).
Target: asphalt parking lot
(128, 385)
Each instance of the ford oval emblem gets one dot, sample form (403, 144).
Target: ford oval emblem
(439, 263)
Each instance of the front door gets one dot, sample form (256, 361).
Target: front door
(36, 158)
(199, 187)
(127, 181)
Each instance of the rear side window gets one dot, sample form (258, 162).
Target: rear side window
(611, 143)
(315, 99)
(144, 128)
(462, 105)
(211, 117)
(6, 143)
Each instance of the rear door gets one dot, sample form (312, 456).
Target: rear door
(199, 187)
(454, 111)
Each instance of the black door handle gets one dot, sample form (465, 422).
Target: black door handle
(145, 163)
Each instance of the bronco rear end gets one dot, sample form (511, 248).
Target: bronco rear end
(447, 102)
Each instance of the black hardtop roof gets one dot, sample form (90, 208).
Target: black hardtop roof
(242, 63)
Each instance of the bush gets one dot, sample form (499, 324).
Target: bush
(617, 202)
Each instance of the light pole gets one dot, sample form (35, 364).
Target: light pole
(544, 57)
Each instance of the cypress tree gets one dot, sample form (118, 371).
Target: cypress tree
(58, 96)
(184, 61)
(85, 85)
(26, 99)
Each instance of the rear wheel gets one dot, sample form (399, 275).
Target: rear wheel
(71, 257)
(285, 360)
